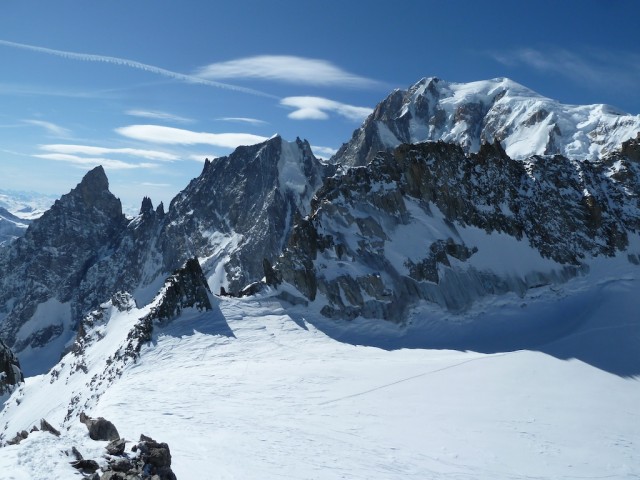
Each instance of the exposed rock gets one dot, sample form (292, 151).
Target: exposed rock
(18, 438)
(86, 466)
(116, 447)
(10, 373)
(100, 428)
(49, 262)
(47, 427)
(186, 287)
(567, 210)
(149, 459)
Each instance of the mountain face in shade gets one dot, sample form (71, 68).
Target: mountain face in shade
(42, 270)
(10, 373)
(240, 209)
(468, 114)
(237, 213)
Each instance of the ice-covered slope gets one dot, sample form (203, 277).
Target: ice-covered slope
(249, 390)
(468, 114)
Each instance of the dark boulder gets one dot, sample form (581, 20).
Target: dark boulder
(100, 428)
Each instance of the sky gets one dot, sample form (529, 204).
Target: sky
(150, 88)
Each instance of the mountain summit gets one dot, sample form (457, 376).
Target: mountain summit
(500, 109)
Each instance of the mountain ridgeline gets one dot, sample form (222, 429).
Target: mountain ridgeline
(446, 194)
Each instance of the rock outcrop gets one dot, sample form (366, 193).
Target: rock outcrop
(43, 269)
(10, 373)
(353, 248)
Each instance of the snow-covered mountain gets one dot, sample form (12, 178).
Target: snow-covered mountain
(11, 227)
(431, 223)
(25, 205)
(468, 114)
(235, 215)
(372, 314)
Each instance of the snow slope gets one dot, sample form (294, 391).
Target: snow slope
(250, 390)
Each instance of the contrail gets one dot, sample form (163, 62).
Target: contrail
(87, 57)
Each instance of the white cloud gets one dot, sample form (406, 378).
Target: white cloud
(323, 152)
(179, 136)
(52, 128)
(91, 150)
(157, 115)
(317, 108)
(85, 162)
(285, 68)
(251, 121)
(87, 57)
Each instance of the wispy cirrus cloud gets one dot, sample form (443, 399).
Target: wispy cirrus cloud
(31, 90)
(87, 162)
(93, 150)
(88, 57)
(178, 136)
(318, 108)
(595, 67)
(157, 115)
(157, 185)
(50, 127)
(250, 121)
(288, 69)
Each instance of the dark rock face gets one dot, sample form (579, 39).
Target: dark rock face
(51, 259)
(149, 459)
(10, 373)
(186, 288)
(567, 210)
(251, 195)
(47, 427)
(100, 428)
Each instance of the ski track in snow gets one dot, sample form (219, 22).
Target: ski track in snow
(280, 399)
(412, 378)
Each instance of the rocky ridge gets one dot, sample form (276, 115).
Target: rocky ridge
(235, 214)
(350, 249)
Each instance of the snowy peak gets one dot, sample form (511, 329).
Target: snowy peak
(500, 109)
(11, 227)
(239, 211)
(46, 266)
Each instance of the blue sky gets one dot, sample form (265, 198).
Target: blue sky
(149, 88)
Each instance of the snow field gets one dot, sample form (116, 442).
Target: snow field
(250, 390)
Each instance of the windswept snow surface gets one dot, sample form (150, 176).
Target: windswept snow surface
(250, 391)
